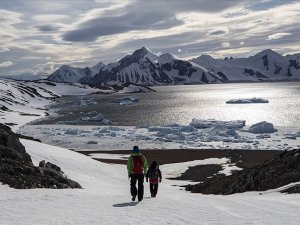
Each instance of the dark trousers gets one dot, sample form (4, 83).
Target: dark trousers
(153, 189)
(134, 191)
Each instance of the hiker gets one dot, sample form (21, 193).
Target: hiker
(137, 166)
(154, 176)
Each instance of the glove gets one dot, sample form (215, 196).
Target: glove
(159, 180)
(147, 179)
(129, 176)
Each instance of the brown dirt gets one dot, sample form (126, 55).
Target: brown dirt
(243, 158)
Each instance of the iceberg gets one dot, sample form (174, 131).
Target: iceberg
(247, 101)
(128, 100)
(262, 128)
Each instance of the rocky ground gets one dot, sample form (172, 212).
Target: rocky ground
(18, 171)
(282, 170)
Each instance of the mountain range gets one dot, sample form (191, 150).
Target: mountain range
(147, 68)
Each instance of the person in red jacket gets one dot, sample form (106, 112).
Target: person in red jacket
(154, 177)
(137, 166)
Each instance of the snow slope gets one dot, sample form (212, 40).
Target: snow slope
(105, 199)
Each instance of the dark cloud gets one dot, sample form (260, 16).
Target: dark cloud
(47, 28)
(123, 20)
(142, 15)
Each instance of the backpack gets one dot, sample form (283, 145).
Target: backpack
(137, 164)
(153, 173)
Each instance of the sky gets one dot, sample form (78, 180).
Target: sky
(37, 36)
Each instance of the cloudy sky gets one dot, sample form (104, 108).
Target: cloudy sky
(37, 36)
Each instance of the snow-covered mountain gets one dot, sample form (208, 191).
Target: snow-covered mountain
(26, 99)
(265, 65)
(145, 67)
(73, 74)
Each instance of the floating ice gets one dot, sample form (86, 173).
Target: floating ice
(263, 136)
(262, 128)
(128, 100)
(202, 124)
(292, 136)
(217, 134)
(247, 101)
(68, 122)
(96, 118)
(71, 131)
(92, 142)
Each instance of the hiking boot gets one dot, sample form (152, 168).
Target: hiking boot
(140, 199)
(133, 197)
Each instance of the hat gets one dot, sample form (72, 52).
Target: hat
(135, 149)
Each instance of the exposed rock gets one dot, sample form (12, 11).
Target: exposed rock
(11, 147)
(193, 174)
(293, 189)
(18, 171)
(284, 169)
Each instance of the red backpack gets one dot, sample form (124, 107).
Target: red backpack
(137, 164)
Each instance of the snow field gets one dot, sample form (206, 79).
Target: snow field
(105, 198)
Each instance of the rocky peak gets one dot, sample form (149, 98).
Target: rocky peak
(166, 58)
(64, 67)
(138, 56)
(270, 54)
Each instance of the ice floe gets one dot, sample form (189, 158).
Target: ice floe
(128, 100)
(199, 134)
(201, 124)
(93, 116)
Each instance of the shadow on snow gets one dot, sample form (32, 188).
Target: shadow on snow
(125, 204)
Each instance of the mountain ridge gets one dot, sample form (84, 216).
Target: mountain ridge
(147, 68)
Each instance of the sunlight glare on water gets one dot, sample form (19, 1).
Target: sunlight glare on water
(209, 102)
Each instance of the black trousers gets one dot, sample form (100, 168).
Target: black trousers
(137, 178)
(153, 189)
